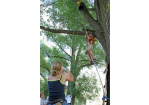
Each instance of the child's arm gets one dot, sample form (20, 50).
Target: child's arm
(86, 32)
(85, 35)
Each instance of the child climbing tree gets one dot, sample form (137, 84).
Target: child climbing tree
(90, 47)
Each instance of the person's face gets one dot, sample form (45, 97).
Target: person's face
(90, 36)
(42, 96)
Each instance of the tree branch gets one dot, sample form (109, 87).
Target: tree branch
(90, 31)
(87, 65)
(48, 4)
(92, 9)
(61, 48)
(90, 64)
(51, 3)
(81, 23)
(83, 60)
(104, 18)
(92, 22)
(98, 14)
(62, 31)
(45, 68)
(104, 71)
(59, 57)
(42, 75)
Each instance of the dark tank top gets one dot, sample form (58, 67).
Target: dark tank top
(56, 89)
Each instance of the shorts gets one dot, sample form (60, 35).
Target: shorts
(62, 103)
(89, 47)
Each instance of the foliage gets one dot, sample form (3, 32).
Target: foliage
(64, 12)
(86, 88)
(44, 87)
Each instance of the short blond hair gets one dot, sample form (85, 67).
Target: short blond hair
(56, 67)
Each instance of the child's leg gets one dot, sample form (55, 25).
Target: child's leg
(91, 53)
(90, 48)
(91, 62)
(89, 56)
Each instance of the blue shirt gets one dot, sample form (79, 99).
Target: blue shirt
(42, 101)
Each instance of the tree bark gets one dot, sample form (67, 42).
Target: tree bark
(98, 13)
(73, 100)
(63, 31)
(108, 84)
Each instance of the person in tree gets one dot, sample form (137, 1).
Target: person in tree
(90, 46)
(56, 84)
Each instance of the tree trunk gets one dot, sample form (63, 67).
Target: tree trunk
(73, 99)
(105, 46)
(108, 84)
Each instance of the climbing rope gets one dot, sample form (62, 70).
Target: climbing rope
(99, 78)
(71, 47)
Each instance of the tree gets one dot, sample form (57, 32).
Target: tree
(96, 17)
